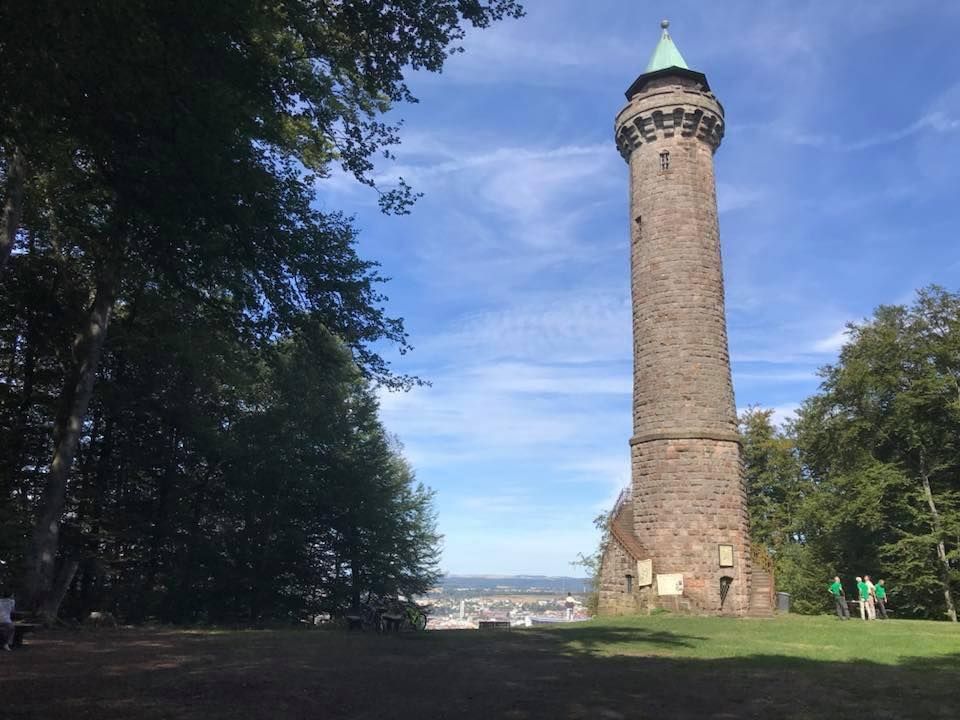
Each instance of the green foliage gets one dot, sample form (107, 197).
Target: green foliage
(228, 462)
(873, 486)
(592, 564)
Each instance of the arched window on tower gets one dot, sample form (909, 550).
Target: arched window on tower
(725, 582)
(629, 579)
(665, 160)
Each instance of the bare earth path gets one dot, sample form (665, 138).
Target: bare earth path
(651, 668)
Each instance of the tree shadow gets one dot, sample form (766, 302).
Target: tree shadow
(589, 638)
(471, 675)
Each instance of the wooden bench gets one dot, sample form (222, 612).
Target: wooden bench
(392, 621)
(23, 623)
(21, 629)
(494, 625)
(354, 621)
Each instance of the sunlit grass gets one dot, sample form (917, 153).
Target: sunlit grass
(791, 636)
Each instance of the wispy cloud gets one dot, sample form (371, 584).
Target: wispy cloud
(734, 197)
(781, 413)
(832, 343)
(559, 326)
(936, 121)
(513, 271)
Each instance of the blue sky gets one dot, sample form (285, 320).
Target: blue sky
(838, 190)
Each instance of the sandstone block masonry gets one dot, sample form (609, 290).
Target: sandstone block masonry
(688, 494)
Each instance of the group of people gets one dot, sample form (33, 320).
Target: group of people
(873, 598)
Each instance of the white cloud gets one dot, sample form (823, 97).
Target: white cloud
(515, 377)
(515, 262)
(775, 375)
(562, 327)
(735, 197)
(780, 415)
(831, 343)
(936, 121)
(466, 417)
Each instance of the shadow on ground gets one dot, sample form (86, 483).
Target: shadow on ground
(470, 675)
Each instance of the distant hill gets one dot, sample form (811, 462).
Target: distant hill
(514, 583)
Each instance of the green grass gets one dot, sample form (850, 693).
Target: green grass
(794, 636)
(790, 668)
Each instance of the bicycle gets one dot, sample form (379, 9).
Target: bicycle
(416, 616)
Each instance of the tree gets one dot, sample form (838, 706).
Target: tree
(592, 563)
(780, 501)
(166, 144)
(775, 485)
(881, 441)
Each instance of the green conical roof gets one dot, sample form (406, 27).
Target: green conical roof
(665, 55)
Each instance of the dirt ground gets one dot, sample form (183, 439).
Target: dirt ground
(516, 675)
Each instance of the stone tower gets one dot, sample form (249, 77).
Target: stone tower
(685, 515)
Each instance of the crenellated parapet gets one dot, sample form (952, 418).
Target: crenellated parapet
(674, 110)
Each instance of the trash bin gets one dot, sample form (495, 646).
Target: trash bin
(783, 602)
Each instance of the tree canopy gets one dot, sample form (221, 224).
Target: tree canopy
(867, 480)
(171, 299)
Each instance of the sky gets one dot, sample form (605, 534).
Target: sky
(838, 190)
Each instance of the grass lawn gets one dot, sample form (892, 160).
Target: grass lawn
(657, 667)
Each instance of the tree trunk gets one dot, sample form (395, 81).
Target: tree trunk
(14, 459)
(355, 571)
(944, 564)
(50, 606)
(42, 553)
(12, 205)
(143, 604)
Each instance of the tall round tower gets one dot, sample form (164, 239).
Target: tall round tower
(687, 512)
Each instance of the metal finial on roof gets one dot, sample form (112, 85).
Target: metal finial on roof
(665, 55)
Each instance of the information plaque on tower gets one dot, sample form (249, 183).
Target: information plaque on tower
(670, 584)
(726, 555)
(644, 572)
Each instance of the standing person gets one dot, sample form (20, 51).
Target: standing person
(569, 604)
(7, 628)
(881, 593)
(864, 593)
(871, 597)
(839, 598)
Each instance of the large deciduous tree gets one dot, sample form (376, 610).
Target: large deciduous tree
(883, 438)
(867, 480)
(176, 145)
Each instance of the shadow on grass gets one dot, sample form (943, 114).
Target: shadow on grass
(469, 675)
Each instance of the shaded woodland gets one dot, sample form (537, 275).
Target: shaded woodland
(190, 350)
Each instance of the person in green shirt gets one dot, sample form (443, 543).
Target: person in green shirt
(871, 598)
(864, 592)
(839, 599)
(881, 593)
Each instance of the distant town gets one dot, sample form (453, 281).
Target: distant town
(462, 602)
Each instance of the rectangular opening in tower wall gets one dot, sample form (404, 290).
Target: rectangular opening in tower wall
(665, 160)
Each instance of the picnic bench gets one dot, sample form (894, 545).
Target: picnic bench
(354, 618)
(494, 625)
(23, 623)
(392, 620)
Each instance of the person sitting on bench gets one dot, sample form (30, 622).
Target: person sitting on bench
(7, 629)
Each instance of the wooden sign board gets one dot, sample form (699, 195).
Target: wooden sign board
(644, 572)
(726, 555)
(670, 584)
